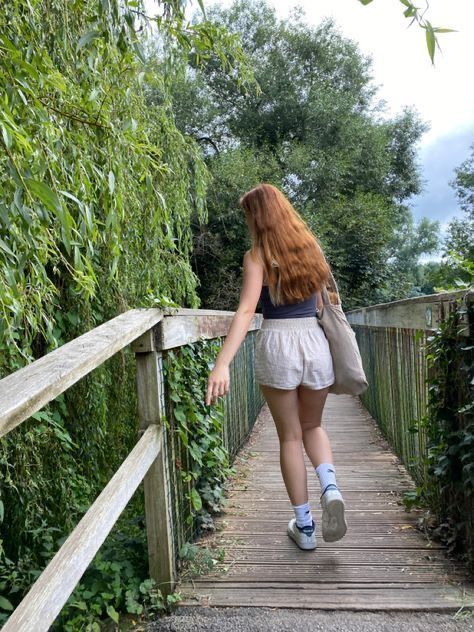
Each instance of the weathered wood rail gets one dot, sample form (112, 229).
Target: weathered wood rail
(424, 313)
(150, 331)
(392, 339)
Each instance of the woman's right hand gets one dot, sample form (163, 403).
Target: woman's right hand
(218, 383)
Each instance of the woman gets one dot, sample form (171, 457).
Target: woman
(286, 269)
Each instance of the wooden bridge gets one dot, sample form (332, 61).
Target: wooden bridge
(384, 562)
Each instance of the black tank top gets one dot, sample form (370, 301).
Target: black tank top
(302, 309)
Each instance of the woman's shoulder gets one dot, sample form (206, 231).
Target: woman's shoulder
(253, 252)
(254, 257)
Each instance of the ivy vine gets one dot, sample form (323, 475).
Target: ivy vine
(201, 458)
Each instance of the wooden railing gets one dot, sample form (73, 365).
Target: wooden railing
(392, 339)
(150, 331)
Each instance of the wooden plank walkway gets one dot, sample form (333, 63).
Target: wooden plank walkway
(383, 563)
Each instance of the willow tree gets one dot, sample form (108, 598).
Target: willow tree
(97, 188)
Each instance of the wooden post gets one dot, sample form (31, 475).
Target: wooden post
(156, 481)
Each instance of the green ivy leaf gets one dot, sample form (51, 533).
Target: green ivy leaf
(196, 500)
(113, 614)
(5, 604)
(179, 414)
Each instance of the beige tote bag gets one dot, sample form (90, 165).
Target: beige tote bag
(347, 362)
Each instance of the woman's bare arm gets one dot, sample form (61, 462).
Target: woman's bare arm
(219, 380)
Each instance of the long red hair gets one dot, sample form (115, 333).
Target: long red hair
(292, 257)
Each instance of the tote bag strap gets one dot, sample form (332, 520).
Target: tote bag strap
(332, 286)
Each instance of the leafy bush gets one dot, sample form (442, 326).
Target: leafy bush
(449, 424)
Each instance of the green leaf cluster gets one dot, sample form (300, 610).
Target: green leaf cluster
(196, 433)
(455, 270)
(116, 582)
(418, 15)
(97, 184)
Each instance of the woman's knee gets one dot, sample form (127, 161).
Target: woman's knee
(309, 424)
(290, 434)
(288, 429)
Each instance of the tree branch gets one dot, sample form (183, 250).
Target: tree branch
(73, 117)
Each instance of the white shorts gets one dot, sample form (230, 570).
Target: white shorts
(293, 351)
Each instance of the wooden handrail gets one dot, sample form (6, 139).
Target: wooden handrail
(29, 389)
(51, 590)
(188, 325)
(419, 312)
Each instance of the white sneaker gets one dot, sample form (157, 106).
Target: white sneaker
(334, 525)
(305, 537)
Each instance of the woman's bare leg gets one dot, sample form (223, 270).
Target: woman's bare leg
(283, 405)
(318, 449)
(315, 439)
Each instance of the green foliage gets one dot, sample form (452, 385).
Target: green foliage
(449, 427)
(116, 582)
(463, 184)
(456, 268)
(417, 15)
(220, 242)
(458, 251)
(406, 277)
(198, 437)
(364, 219)
(197, 559)
(88, 172)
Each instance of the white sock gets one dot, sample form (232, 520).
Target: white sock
(327, 475)
(303, 515)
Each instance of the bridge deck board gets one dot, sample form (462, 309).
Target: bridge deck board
(385, 562)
